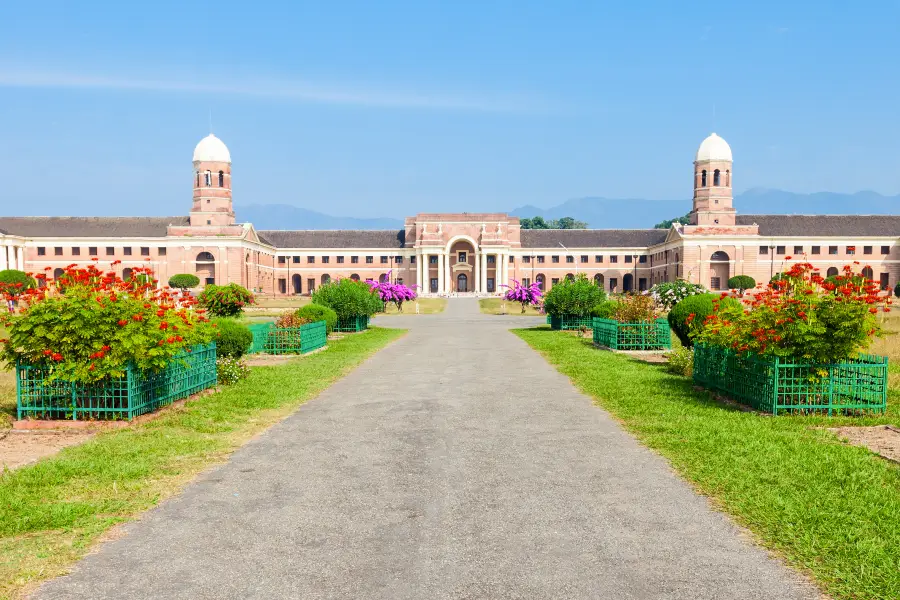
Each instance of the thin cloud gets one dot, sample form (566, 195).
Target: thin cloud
(286, 90)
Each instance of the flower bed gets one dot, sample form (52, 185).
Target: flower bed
(650, 335)
(136, 392)
(570, 322)
(352, 324)
(288, 340)
(774, 384)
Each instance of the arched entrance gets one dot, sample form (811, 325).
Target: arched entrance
(719, 270)
(627, 282)
(832, 271)
(868, 273)
(326, 278)
(462, 263)
(126, 274)
(57, 273)
(462, 283)
(355, 277)
(570, 277)
(297, 284)
(598, 280)
(205, 266)
(541, 280)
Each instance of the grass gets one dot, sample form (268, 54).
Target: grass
(282, 302)
(499, 306)
(53, 511)
(829, 509)
(427, 306)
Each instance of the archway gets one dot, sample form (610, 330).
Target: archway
(462, 283)
(719, 270)
(297, 283)
(205, 266)
(355, 277)
(598, 280)
(570, 277)
(57, 273)
(627, 282)
(126, 274)
(832, 271)
(326, 278)
(382, 278)
(540, 280)
(868, 273)
(462, 262)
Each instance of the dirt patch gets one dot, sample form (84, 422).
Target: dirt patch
(880, 439)
(648, 357)
(19, 448)
(268, 360)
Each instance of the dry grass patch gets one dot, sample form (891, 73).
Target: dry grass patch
(427, 306)
(499, 306)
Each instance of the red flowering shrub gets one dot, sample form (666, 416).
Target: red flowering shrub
(94, 324)
(801, 315)
(225, 300)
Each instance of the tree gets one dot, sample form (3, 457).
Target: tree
(567, 223)
(15, 282)
(685, 220)
(533, 223)
(184, 281)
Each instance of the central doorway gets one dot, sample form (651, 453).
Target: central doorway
(462, 283)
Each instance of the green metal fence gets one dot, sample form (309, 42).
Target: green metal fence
(260, 333)
(775, 385)
(352, 324)
(134, 393)
(654, 335)
(287, 340)
(570, 322)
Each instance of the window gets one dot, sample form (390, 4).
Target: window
(512, 259)
(526, 259)
(92, 250)
(885, 249)
(282, 260)
(763, 250)
(628, 258)
(76, 251)
(703, 178)
(554, 259)
(491, 259)
(613, 283)
(526, 281)
(110, 250)
(715, 283)
(716, 178)
(412, 260)
(57, 251)
(161, 251)
(208, 179)
(340, 260)
(798, 249)
(310, 260)
(570, 259)
(384, 260)
(584, 258)
(42, 251)
(832, 249)
(398, 260)
(540, 259)
(221, 179)
(432, 260)
(779, 249)
(145, 251)
(325, 260)
(885, 281)
(816, 249)
(554, 281)
(126, 251)
(354, 260)
(461, 257)
(598, 258)
(727, 177)
(867, 249)
(295, 259)
(851, 250)
(208, 222)
(613, 259)
(642, 259)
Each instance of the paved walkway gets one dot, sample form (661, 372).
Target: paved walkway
(456, 463)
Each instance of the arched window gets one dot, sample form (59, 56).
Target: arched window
(198, 178)
(719, 256)
(598, 280)
(297, 283)
(832, 271)
(355, 277)
(382, 278)
(326, 278)
(57, 273)
(728, 178)
(208, 179)
(206, 257)
(570, 277)
(126, 274)
(539, 279)
(703, 178)
(716, 178)
(868, 273)
(221, 178)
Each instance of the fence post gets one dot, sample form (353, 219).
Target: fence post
(775, 387)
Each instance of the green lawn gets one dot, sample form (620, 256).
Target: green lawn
(51, 512)
(499, 306)
(427, 306)
(829, 509)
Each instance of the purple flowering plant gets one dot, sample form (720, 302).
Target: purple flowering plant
(526, 295)
(397, 293)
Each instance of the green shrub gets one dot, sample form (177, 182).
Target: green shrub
(636, 308)
(576, 297)
(669, 293)
(605, 310)
(681, 362)
(348, 298)
(701, 306)
(897, 290)
(233, 339)
(15, 282)
(230, 370)
(316, 312)
(184, 281)
(225, 300)
(741, 282)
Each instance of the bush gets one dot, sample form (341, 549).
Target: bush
(670, 293)
(290, 320)
(184, 281)
(605, 310)
(688, 316)
(681, 362)
(230, 370)
(233, 339)
(348, 298)
(573, 297)
(635, 308)
(741, 283)
(897, 290)
(14, 283)
(316, 312)
(225, 300)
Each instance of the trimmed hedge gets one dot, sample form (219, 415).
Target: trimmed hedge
(233, 339)
(741, 282)
(701, 306)
(605, 310)
(184, 281)
(317, 312)
(573, 297)
(348, 299)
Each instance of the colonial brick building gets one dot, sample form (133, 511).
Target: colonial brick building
(457, 252)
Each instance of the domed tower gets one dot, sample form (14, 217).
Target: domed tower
(212, 184)
(712, 184)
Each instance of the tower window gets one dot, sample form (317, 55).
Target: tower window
(221, 179)
(198, 178)
(727, 177)
(703, 178)
(208, 179)
(717, 178)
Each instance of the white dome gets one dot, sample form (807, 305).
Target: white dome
(211, 149)
(713, 148)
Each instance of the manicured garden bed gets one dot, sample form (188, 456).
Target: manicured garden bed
(566, 322)
(651, 335)
(287, 340)
(352, 324)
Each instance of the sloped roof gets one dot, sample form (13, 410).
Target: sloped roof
(822, 225)
(105, 227)
(345, 238)
(592, 238)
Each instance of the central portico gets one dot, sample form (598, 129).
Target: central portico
(458, 253)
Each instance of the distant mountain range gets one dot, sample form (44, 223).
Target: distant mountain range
(602, 213)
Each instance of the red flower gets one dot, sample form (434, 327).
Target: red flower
(788, 257)
(48, 352)
(122, 322)
(57, 356)
(181, 339)
(105, 348)
(137, 317)
(171, 339)
(91, 368)
(160, 313)
(163, 325)
(160, 343)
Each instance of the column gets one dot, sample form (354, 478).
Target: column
(20, 258)
(11, 257)
(504, 270)
(476, 278)
(440, 274)
(3, 266)
(419, 289)
(447, 284)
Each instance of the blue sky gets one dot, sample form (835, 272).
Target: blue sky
(388, 108)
